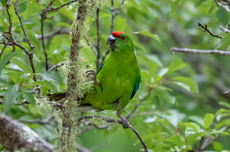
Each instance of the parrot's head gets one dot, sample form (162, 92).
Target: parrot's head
(119, 41)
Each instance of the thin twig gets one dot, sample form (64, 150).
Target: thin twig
(91, 45)
(12, 42)
(98, 37)
(114, 13)
(118, 10)
(20, 20)
(210, 140)
(47, 9)
(196, 51)
(224, 29)
(43, 17)
(14, 69)
(113, 121)
(57, 8)
(30, 54)
(53, 33)
(104, 56)
(207, 30)
(113, 16)
(56, 66)
(37, 121)
(2, 51)
(135, 108)
(227, 92)
(141, 140)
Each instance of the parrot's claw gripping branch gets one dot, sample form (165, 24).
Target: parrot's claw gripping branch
(92, 72)
(123, 121)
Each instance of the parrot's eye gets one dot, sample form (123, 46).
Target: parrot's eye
(122, 37)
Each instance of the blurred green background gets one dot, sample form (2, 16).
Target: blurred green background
(187, 100)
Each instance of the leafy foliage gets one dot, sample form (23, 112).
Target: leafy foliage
(183, 104)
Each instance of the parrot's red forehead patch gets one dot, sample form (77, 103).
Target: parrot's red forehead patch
(117, 33)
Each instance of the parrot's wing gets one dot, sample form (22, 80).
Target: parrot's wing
(135, 88)
(100, 68)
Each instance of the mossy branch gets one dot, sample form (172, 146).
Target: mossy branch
(16, 136)
(75, 79)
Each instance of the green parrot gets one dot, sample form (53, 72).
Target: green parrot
(116, 81)
(118, 78)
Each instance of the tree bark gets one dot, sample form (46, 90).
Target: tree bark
(15, 135)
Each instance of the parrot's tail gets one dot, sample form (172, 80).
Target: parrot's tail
(82, 107)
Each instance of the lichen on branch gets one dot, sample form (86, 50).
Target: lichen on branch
(75, 79)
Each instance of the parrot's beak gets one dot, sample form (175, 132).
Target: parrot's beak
(111, 39)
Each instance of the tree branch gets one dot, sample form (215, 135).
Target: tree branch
(57, 8)
(53, 33)
(196, 51)
(20, 20)
(15, 135)
(98, 38)
(114, 13)
(92, 47)
(224, 29)
(207, 30)
(210, 140)
(135, 108)
(12, 42)
(80, 118)
(43, 17)
(37, 121)
(56, 66)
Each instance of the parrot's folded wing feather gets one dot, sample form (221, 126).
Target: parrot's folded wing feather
(135, 88)
(100, 68)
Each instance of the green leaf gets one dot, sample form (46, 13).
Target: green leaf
(217, 146)
(29, 98)
(50, 85)
(199, 2)
(224, 104)
(66, 12)
(22, 7)
(192, 125)
(10, 95)
(187, 83)
(5, 60)
(174, 6)
(157, 78)
(161, 92)
(22, 65)
(225, 122)
(208, 119)
(222, 15)
(154, 58)
(152, 69)
(221, 110)
(14, 75)
(51, 76)
(4, 2)
(193, 137)
(162, 72)
(177, 140)
(139, 46)
(118, 22)
(147, 33)
(176, 65)
(224, 43)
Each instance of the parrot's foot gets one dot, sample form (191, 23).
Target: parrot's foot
(123, 121)
(92, 72)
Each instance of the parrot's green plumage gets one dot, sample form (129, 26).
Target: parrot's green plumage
(119, 76)
(117, 80)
